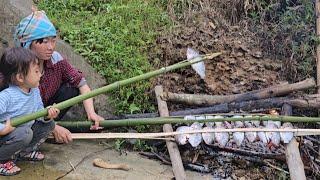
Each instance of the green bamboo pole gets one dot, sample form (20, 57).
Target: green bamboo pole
(70, 102)
(175, 120)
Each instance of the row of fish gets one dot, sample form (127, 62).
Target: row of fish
(236, 138)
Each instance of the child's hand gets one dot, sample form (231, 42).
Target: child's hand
(53, 112)
(7, 129)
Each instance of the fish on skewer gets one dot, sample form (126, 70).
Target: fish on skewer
(274, 112)
(286, 136)
(196, 138)
(182, 139)
(255, 123)
(250, 136)
(238, 137)
(210, 124)
(273, 137)
(221, 138)
(262, 135)
(208, 137)
(200, 118)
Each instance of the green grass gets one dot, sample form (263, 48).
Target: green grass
(115, 37)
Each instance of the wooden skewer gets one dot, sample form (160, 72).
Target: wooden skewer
(297, 132)
(113, 136)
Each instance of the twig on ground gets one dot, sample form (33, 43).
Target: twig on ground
(275, 167)
(83, 159)
(74, 169)
(155, 156)
(195, 158)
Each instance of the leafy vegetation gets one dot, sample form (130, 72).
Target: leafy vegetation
(287, 31)
(115, 37)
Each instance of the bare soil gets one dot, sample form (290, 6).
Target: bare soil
(246, 64)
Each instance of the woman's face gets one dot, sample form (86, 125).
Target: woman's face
(44, 49)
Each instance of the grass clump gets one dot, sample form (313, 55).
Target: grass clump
(115, 37)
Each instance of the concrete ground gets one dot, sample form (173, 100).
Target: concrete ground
(61, 158)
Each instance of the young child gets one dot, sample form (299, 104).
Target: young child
(21, 96)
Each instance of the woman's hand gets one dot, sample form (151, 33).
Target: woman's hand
(62, 135)
(53, 112)
(96, 119)
(7, 129)
(88, 106)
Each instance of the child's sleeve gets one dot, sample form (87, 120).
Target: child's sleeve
(4, 103)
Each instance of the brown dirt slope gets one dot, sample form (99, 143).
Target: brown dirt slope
(216, 26)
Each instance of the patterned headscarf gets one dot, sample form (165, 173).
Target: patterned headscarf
(33, 27)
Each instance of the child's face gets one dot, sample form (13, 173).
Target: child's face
(33, 77)
(45, 49)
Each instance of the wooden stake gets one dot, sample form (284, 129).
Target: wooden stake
(177, 165)
(295, 164)
(318, 46)
(317, 9)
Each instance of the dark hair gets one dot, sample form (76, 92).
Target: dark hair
(40, 41)
(14, 61)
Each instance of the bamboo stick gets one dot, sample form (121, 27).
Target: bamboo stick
(160, 135)
(70, 102)
(171, 120)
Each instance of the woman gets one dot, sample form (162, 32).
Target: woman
(60, 80)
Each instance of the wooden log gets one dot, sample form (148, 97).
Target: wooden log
(308, 102)
(278, 90)
(235, 106)
(294, 161)
(219, 108)
(177, 165)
